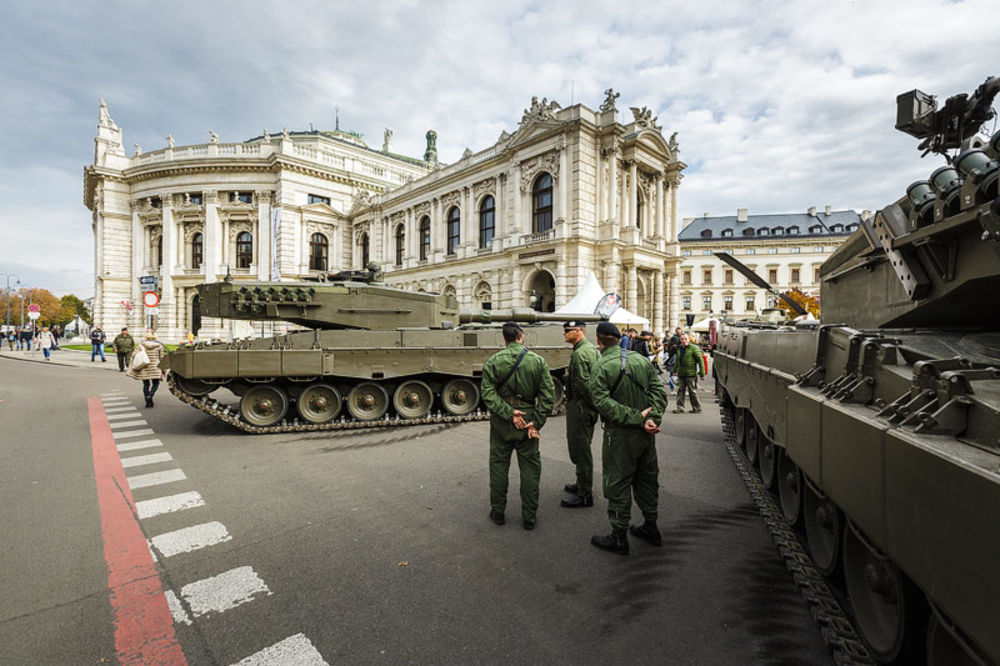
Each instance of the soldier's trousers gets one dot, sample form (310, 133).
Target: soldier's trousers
(630, 469)
(529, 462)
(689, 385)
(579, 436)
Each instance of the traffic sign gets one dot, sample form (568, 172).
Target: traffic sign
(34, 307)
(153, 311)
(150, 299)
(34, 315)
(148, 280)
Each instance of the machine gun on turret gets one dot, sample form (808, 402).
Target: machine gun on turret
(958, 120)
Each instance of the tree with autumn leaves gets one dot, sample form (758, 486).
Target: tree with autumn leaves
(808, 303)
(54, 311)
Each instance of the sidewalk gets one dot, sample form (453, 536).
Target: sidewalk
(64, 357)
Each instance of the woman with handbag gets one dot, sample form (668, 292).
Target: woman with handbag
(145, 365)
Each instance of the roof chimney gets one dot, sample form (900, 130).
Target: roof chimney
(705, 215)
(828, 210)
(812, 211)
(741, 214)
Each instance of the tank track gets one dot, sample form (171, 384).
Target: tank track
(226, 414)
(837, 630)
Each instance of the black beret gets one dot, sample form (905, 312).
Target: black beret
(607, 328)
(574, 324)
(646, 333)
(512, 324)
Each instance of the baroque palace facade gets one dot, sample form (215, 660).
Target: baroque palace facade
(518, 224)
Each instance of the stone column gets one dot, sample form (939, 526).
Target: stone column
(660, 213)
(633, 188)
(613, 186)
(672, 230)
(213, 241)
(138, 251)
(564, 205)
(631, 292)
(601, 202)
(658, 295)
(167, 322)
(264, 245)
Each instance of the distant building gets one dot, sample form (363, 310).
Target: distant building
(785, 249)
(517, 224)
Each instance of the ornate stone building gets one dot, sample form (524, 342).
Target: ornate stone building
(517, 224)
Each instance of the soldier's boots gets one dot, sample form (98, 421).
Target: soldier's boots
(648, 532)
(571, 488)
(616, 542)
(577, 502)
(497, 517)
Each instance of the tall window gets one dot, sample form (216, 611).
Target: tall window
(197, 250)
(159, 251)
(686, 302)
(727, 303)
(400, 243)
(772, 276)
(319, 250)
(454, 229)
(728, 276)
(541, 204)
(425, 237)
(364, 251)
(707, 303)
(686, 277)
(487, 222)
(706, 276)
(638, 211)
(244, 250)
(816, 275)
(750, 303)
(796, 274)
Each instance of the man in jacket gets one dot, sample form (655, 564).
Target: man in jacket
(630, 399)
(580, 415)
(518, 391)
(97, 339)
(689, 367)
(124, 345)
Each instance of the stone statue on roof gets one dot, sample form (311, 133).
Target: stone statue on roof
(544, 110)
(386, 138)
(104, 118)
(213, 137)
(644, 118)
(138, 150)
(609, 100)
(267, 137)
(284, 133)
(170, 140)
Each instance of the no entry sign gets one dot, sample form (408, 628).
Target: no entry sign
(150, 299)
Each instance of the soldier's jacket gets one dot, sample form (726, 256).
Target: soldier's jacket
(529, 389)
(632, 395)
(581, 365)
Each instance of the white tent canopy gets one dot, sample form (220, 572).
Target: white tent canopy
(587, 298)
(703, 325)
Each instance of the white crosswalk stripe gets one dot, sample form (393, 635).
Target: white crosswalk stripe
(168, 504)
(132, 433)
(139, 461)
(176, 609)
(218, 594)
(187, 539)
(123, 414)
(155, 479)
(128, 424)
(143, 444)
(295, 650)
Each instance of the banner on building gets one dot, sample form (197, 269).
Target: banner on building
(275, 250)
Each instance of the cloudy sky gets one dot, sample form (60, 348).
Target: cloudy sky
(779, 105)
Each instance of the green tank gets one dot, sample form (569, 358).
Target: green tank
(878, 429)
(372, 355)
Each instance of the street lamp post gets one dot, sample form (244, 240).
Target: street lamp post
(7, 292)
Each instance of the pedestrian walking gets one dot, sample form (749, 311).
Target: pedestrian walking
(630, 399)
(11, 337)
(124, 345)
(518, 391)
(97, 339)
(46, 342)
(26, 335)
(690, 367)
(145, 365)
(580, 415)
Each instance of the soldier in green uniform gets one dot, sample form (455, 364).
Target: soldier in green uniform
(518, 391)
(580, 415)
(630, 399)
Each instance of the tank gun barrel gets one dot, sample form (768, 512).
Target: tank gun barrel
(521, 315)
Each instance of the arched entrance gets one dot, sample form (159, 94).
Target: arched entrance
(195, 323)
(543, 288)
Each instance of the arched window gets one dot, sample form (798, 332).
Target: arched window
(400, 243)
(487, 222)
(319, 248)
(541, 204)
(425, 238)
(454, 229)
(244, 250)
(364, 251)
(197, 250)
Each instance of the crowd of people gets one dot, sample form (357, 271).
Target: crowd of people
(26, 338)
(619, 382)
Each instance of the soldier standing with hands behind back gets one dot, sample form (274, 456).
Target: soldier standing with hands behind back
(630, 399)
(518, 391)
(580, 415)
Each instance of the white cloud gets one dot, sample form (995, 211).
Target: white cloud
(778, 105)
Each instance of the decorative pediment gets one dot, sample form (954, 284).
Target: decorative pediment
(322, 209)
(533, 166)
(422, 209)
(487, 185)
(316, 227)
(191, 229)
(238, 227)
(451, 199)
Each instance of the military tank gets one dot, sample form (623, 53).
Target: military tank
(368, 355)
(878, 429)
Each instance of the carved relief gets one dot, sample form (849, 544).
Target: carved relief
(191, 229)
(263, 196)
(531, 167)
(644, 118)
(540, 111)
(236, 228)
(451, 199)
(422, 209)
(483, 187)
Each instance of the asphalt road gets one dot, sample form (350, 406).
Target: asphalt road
(374, 548)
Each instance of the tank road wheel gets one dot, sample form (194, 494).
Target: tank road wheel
(460, 396)
(319, 403)
(789, 488)
(367, 401)
(752, 440)
(740, 425)
(767, 454)
(413, 399)
(879, 594)
(263, 405)
(822, 523)
(194, 387)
